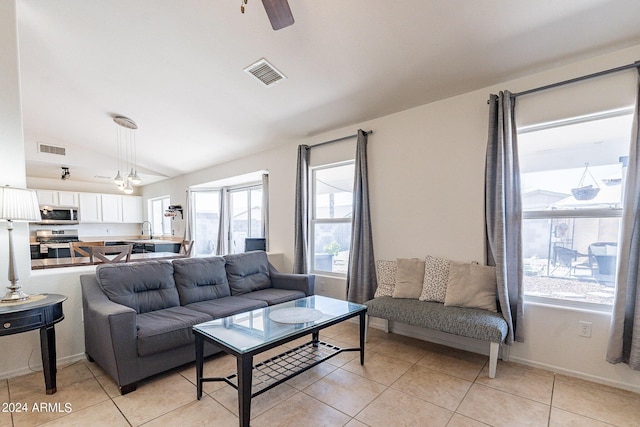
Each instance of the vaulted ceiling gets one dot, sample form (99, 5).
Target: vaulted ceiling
(176, 68)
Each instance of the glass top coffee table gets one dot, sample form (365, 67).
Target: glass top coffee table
(247, 334)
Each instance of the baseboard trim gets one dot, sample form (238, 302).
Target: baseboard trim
(577, 374)
(67, 360)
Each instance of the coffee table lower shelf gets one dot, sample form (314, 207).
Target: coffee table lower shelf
(278, 369)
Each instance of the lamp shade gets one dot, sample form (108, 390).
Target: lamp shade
(18, 204)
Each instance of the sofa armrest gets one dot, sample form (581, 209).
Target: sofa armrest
(109, 332)
(297, 282)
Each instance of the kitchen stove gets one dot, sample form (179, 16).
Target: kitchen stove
(55, 239)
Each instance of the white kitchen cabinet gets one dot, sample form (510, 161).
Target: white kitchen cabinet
(47, 197)
(57, 198)
(96, 207)
(132, 209)
(68, 199)
(90, 207)
(111, 208)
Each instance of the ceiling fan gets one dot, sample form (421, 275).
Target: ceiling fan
(278, 11)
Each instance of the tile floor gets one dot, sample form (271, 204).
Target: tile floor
(404, 382)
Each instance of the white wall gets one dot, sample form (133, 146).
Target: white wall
(426, 171)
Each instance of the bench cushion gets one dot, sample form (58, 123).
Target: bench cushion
(467, 322)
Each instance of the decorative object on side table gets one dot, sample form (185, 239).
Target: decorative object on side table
(16, 204)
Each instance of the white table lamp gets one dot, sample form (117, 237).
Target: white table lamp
(16, 204)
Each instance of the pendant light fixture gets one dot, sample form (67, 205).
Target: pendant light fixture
(126, 142)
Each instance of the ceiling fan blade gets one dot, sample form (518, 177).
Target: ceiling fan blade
(279, 13)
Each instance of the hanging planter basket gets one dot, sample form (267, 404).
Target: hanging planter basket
(586, 192)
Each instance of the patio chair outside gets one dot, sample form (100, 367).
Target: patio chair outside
(604, 255)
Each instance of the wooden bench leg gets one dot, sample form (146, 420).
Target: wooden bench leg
(366, 329)
(493, 358)
(386, 325)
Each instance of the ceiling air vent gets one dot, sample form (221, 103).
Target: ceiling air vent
(265, 72)
(52, 149)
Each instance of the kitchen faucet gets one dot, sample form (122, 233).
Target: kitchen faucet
(150, 229)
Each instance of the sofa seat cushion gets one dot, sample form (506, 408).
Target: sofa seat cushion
(247, 272)
(227, 306)
(142, 286)
(200, 279)
(166, 329)
(274, 296)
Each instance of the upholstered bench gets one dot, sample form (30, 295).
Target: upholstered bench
(466, 322)
(442, 295)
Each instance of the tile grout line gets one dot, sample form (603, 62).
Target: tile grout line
(95, 377)
(553, 390)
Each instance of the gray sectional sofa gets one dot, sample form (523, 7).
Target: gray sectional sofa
(138, 316)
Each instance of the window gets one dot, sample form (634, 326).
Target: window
(206, 208)
(246, 216)
(160, 224)
(244, 207)
(572, 175)
(332, 199)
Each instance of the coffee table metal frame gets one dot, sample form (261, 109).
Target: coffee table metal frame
(275, 370)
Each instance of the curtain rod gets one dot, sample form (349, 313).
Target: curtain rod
(577, 79)
(369, 132)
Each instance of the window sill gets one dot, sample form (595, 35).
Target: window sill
(567, 304)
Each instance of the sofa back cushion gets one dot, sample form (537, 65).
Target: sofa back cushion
(247, 272)
(142, 286)
(200, 279)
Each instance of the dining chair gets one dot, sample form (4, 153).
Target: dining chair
(83, 249)
(111, 254)
(186, 247)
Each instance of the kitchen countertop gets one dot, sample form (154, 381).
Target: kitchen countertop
(151, 241)
(128, 239)
(39, 264)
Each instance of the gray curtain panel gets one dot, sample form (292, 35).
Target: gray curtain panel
(265, 208)
(222, 246)
(624, 338)
(300, 262)
(361, 275)
(503, 211)
(188, 220)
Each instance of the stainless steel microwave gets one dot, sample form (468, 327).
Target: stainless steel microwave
(58, 215)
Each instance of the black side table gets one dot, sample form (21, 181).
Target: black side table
(36, 313)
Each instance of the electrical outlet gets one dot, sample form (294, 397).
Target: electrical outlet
(584, 329)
